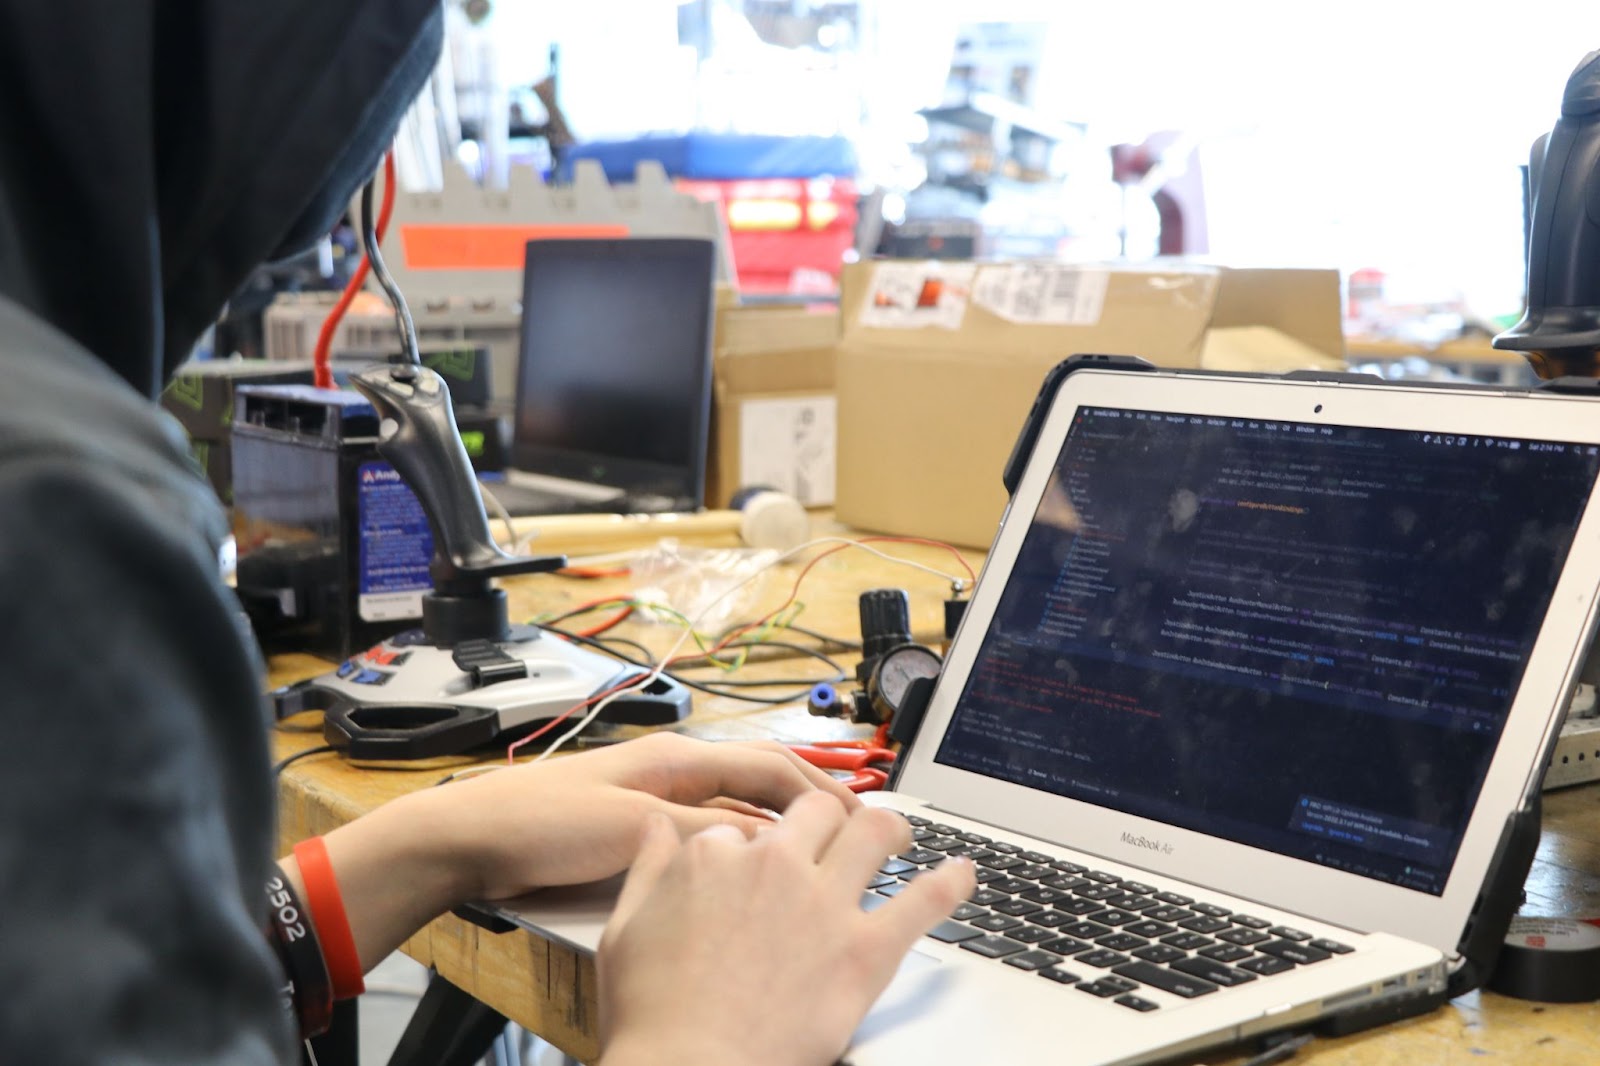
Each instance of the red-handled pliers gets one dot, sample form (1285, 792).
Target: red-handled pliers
(868, 763)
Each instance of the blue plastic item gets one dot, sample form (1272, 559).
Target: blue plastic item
(720, 156)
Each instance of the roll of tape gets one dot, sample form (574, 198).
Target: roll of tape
(773, 520)
(1549, 960)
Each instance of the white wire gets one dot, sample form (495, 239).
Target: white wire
(514, 544)
(608, 558)
(694, 625)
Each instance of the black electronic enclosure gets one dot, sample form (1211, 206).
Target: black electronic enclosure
(333, 547)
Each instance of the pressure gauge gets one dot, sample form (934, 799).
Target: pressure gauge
(893, 673)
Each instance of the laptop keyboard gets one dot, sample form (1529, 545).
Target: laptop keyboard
(1092, 930)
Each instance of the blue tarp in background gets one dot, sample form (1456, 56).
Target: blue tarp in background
(720, 156)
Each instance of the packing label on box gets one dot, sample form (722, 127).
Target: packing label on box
(396, 546)
(917, 295)
(788, 443)
(1049, 294)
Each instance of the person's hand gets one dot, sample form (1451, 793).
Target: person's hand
(560, 822)
(725, 950)
(577, 819)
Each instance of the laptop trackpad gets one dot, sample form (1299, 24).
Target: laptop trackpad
(914, 995)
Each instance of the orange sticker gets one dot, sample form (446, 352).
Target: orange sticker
(439, 247)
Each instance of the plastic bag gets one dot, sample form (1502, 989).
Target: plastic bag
(727, 584)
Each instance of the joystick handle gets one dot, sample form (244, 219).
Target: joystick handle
(418, 435)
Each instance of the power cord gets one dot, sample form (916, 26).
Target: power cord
(283, 764)
(843, 643)
(646, 656)
(814, 653)
(1282, 1051)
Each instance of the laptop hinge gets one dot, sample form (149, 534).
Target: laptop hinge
(1498, 899)
(907, 720)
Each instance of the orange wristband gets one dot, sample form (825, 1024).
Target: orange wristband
(327, 913)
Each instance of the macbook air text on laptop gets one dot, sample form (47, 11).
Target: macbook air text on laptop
(614, 376)
(1254, 676)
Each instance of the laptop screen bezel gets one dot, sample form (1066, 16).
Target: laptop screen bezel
(1344, 899)
(683, 483)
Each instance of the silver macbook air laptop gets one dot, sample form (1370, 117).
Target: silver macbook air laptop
(613, 377)
(1254, 676)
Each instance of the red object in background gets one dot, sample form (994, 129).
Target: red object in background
(1364, 294)
(1179, 202)
(867, 763)
(485, 247)
(781, 226)
(1130, 162)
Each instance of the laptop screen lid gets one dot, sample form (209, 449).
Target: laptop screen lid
(614, 374)
(1303, 642)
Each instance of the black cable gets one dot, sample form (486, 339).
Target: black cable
(715, 688)
(647, 658)
(402, 313)
(645, 653)
(822, 638)
(827, 641)
(591, 608)
(283, 764)
(1282, 1051)
(705, 660)
(838, 671)
(767, 701)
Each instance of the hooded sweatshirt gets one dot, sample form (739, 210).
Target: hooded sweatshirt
(152, 152)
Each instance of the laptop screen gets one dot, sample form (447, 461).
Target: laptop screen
(1303, 638)
(614, 383)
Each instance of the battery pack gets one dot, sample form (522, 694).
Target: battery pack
(333, 547)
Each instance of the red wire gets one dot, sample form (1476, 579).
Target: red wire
(584, 608)
(568, 713)
(321, 371)
(925, 542)
(610, 623)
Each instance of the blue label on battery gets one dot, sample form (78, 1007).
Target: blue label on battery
(396, 545)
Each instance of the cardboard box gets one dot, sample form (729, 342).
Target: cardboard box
(774, 413)
(939, 362)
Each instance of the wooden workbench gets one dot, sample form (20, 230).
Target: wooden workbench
(551, 990)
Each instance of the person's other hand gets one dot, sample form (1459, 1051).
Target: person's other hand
(733, 950)
(577, 819)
